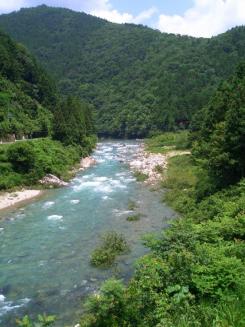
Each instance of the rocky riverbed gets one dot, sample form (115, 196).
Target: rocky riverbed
(152, 164)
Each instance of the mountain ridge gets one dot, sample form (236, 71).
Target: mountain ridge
(139, 79)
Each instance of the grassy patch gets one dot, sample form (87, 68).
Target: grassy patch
(168, 141)
(159, 169)
(181, 179)
(132, 205)
(140, 177)
(111, 245)
(135, 217)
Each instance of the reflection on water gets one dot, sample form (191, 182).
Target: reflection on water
(45, 247)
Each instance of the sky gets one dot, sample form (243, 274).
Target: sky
(200, 18)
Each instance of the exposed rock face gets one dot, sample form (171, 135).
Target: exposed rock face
(52, 180)
(87, 162)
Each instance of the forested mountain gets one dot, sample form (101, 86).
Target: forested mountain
(30, 107)
(138, 79)
(26, 93)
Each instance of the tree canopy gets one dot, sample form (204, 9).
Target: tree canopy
(138, 79)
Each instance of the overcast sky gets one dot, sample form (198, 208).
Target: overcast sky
(192, 17)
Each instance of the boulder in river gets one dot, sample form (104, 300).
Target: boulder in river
(87, 162)
(52, 180)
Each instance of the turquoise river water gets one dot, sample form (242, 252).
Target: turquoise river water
(45, 246)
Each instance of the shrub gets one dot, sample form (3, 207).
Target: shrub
(132, 205)
(42, 321)
(21, 156)
(111, 245)
(140, 177)
(135, 217)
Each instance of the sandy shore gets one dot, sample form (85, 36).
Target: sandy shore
(11, 199)
(8, 200)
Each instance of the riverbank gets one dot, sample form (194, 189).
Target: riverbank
(152, 165)
(11, 199)
(16, 198)
(59, 232)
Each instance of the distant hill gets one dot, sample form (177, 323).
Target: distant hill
(26, 93)
(139, 80)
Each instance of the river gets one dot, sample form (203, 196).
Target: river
(45, 246)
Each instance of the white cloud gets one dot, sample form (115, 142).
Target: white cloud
(206, 18)
(105, 10)
(11, 5)
(99, 8)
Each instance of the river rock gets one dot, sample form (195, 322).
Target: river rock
(87, 162)
(148, 164)
(52, 180)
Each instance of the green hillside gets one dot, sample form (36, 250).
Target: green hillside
(139, 80)
(31, 108)
(26, 93)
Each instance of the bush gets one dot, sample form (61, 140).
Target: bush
(22, 157)
(43, 321)
(24, 163)
(140, 177)
(132, 205)
(135, 217)
(111, 245)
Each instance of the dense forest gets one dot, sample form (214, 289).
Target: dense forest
(31, 108)
(26, 93)
(138, 79)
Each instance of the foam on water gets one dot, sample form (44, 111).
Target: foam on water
(7, 306)
(75, 201)
(55, 217)
(2, 298)
(118, 212)
(48, 204)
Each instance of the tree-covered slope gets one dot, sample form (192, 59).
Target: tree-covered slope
(26, 93)
(138, 79)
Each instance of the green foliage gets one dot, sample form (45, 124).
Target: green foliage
(140, 177)
(24, 163)
(112, 244)
(164, 142)
(220, 145)
(132, 205)
(43, 321)
(138, 79)
(194, 275)
(26, 93)
(110, 299)
(73, 122)
(135, 217)
(180, 180)
(21, 156)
